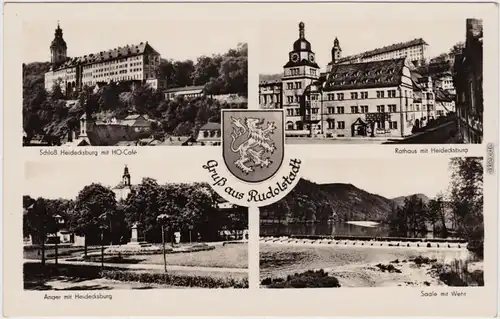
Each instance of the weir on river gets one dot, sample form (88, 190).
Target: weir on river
(372, 242)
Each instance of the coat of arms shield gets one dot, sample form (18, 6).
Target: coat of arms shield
(253, 143)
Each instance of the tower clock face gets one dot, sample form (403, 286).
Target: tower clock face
(295, 57)
(311, 58)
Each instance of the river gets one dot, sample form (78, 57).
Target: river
(330, 229)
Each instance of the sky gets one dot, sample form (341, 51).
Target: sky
(357, 35)
(173, 39)
(66, 178)
(388, 177)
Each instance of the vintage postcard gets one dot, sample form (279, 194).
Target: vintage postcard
(354, 146)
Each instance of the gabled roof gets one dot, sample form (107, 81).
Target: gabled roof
(365, 75)
(389, 48)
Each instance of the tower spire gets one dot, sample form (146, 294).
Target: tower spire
(301, 30)
(126, 176)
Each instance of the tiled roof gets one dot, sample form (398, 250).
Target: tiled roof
(389, 48)
(103, 56)
(365, 75)
(443, 96)
(270, 78)
(211, 126)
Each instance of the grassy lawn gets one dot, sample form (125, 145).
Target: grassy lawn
(228, 256)
(36, 253)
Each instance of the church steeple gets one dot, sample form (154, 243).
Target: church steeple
(58, 48)
(126, 177)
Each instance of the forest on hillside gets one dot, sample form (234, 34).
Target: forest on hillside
(311, 202)
(48, 115)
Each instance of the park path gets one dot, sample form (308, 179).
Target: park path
(143, 266)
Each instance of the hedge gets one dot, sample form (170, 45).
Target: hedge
(175, 280)
(308, 279)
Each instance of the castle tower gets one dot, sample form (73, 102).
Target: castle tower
(299, 72)
(58, 48)
(336, 55)
(336, 51)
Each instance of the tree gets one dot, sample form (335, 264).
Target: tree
(57, 93)
(409, 219)
(92, 203)
(467, 200)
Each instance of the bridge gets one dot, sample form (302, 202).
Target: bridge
(365, 241)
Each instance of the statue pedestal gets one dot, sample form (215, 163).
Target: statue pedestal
(134, 239)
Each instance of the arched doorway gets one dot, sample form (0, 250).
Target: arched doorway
(417, 123)
(358, 128)
(289, 125)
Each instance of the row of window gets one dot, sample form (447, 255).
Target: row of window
(296, 71)
(393, 125)
(134, 58)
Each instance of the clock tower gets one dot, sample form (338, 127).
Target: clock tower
(300, 72)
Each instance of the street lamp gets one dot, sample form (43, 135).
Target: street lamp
(162, 219)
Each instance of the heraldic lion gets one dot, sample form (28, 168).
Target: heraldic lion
(255, 145)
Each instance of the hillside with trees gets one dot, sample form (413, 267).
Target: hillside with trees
(311, 202)
(51, 116)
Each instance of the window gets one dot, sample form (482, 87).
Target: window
(354, 96)
(380, 108)
(341, 125)
(393, 125)
(380, 94)
(331, 110)
(314, 97)
(289, 112)
(364, 108)
(354, 109)
(289, 86)
(340, 96)
(298, 85)
(314, 110)
(364, 95)
(313, 71)
(391, 93)
(297, 98)
(331, 123)
(392, 108)
(330, 97)
(289, 99)
(340, 109)
(297, 112)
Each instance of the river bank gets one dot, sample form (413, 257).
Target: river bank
(366, 266)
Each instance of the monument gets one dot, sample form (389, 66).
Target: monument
(135, 240)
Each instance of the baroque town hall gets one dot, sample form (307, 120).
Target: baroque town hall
(130, 64)
(375, 93)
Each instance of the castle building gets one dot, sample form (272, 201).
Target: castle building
(372, 98)
(130, 64)
(413, 51)
(468, 81)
